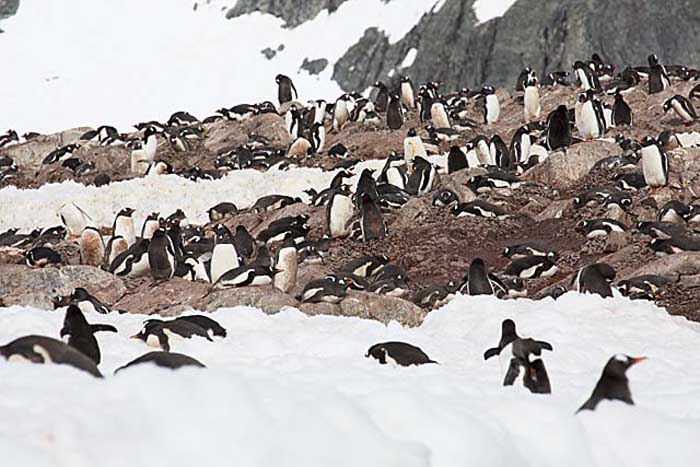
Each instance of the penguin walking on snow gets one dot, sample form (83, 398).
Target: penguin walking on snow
(654, 163)
(613, 383)
(285, 87)
(398, 353)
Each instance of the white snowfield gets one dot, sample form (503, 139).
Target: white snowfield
(292, 390)
(93, 62)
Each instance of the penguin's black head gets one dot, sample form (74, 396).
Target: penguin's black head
(126, 212)
(506, 252)
(583, 224)
(79, 294)
(73, 322)
(487, 90)
(648, 141)
(412, 132)
(578, 64)
(508, 326)
(405, 79)
(478, 262)
(653, 60)
(619, 363)
(150, 131)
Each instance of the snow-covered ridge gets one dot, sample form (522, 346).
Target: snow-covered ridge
(295, 390)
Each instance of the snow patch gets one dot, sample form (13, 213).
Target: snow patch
(486, 10)
(409, 58)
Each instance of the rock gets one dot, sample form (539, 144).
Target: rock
(382, 308)
(457, 182)
(411, 212)
(9, 255)
(29, 155)
(292, 12)
(615, 241)
(555, 210)
(22, 285)
(227, 134)
(314, 67)
(168, 298)
(267, 298)
(564, 169)
(314, 309)
(686, 264)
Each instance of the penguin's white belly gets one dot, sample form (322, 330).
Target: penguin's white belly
(140, 267)
(152, 341)
(532, 103)
(608, 114)
(125, 228)
(493, 109)
(439, 117)
(394, 177)
(588, 124)
(652, 167)
(341, 213)
(223, 259)
(681, 111)
(472, 159)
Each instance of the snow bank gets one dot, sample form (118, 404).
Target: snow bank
(295, 390)
(91, 62)
(488, 9)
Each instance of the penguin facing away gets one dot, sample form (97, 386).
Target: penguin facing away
(394, 113)
(285, 88)
(81, 333)
(161, 256)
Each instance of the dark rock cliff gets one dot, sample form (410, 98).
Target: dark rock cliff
(545, 34)
(8, 8)
(293, 12)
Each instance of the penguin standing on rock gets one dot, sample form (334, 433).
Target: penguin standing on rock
(658, 77)
(590, 119)
(124, 226)
(161, 256)
(398, 353)
(381, 100)
(413, 147)
(286, 263)
(491, 107)
(394, 113)
(224, 256)
(532, 98)
(92, 248)
(621, 112)
(339, 213)
(654, 163)
(141, 159)
(285, 87)
(372, 223)
(613, 383)
(478, 282)
(407, 95)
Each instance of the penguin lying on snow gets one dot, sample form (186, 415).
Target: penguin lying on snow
(157, 333)
(212, 327)
(170, 360)
(613, 383)
(41, 349)
(81, 334)
(398, 353)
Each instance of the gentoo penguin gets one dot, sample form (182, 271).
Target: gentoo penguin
(456, 160)
(595, 279)
(407, 95)
(141, 159)
(532, 106)
(522, 79)
(398, 353)
(499, 153)
(170, 360)
(683, 108)
(285, 86)
(339, 213)
(674, 244)
(42, 256)
(365, 266)
(613, 383)
(222, 210)
(41, 349)
(318, 137)
(491, 107)
(286, 263)
(161, 256)
(292, 121)
(123, 226)
(673, 211)
(558, 133)
(585, 76)
(532, 267)
(273, 202)
(300, 148)
(381, 100)
(478, 208)
(394, 113)
(326, 290)
(372, 223)
(213, 328)
(654, 163)
(645, 286)
(161, 334)
(438, 115)
(523, 250)
(601, 227)
(246, 275)
(413, 147)
(421, 180)
(621, 112)
(508, 335)
(341, 112)
(81, 334)
(92, 248)
(445, 198)
(478, 282)
(74, 219)
(244, 242)
(224, 256)
(88, 303)
(526, 354)
(658, 77)
(590, 120)
(521, 145)
(150, 225)
(61, 154)
(133, 262)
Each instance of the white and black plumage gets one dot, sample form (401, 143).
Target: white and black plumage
(398, 353)
(532, 267)
(644, 286)
(61, 154)
(88, 303)
(621, 112)
(445, 198)
(613, 383)
(478, 208)
(491, 107)
(133, 262)
(595, 279)
(81, 334)
(682, 106)
(601, 227)
(525, 357)
(326, 290)
(45, 350)
(285, 88)
(171, 360)
(42, 256)
(163, 334)
(654, 163)
(246, 275)
(523, 250)
(658, 76)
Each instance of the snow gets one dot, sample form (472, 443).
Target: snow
(288, 389)
(409, 58)
(486, 10)
(70, 63)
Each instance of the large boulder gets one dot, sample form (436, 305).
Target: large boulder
(169, 298)
(564, 169)
(680, 266)
(29, 155)
(382, 308)
(268, 299)
(226, 134)
(22, 285)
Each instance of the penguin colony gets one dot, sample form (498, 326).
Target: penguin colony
(225, 257)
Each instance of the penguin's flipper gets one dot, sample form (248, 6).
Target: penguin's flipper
(512, 373)
(492, 352)
(102, 328)
(546, 345)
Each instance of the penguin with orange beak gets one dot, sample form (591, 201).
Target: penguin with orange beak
(613, 383)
